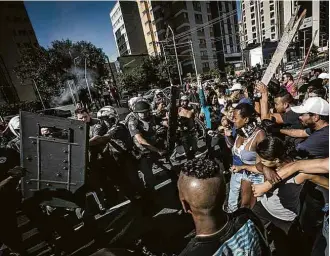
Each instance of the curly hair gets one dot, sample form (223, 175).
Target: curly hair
(201, 168)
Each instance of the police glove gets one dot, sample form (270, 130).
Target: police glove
(17, 172)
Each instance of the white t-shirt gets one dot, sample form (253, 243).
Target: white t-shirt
(284, 201)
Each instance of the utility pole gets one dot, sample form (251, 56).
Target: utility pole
(176, 54)
(193, 55)
(42, 102)
(111, 72)
(168, 68)
(89, 91)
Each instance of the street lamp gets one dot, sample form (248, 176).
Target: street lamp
(176, 54)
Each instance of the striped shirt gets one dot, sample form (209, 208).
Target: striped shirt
(242, 235)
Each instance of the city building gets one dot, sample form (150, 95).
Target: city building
(260, 21)
(16, 33)
(127, 28)
(265, 21)
(227, 34)
(149, 27)
(189, 21)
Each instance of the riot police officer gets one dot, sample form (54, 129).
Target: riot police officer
(142, 126)
(186, 127)
(118, 162)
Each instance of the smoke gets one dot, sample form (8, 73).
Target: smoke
(74, 85)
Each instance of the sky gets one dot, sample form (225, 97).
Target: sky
(89, 21)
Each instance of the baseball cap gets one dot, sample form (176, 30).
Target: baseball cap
(235, 87)
(315, 105)
(324, 76)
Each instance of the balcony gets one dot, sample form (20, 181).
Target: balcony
(181, 19)
(178, 6)
(204, 57)
(202, 46)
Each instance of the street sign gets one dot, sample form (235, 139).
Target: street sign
(307, 23)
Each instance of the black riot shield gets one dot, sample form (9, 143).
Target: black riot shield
(54, 152)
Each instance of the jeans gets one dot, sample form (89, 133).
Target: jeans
(234, 190)
(235, 187)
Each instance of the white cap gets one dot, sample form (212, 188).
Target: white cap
(184, 97)
(323, 76)
(235, 87)
(315, 105)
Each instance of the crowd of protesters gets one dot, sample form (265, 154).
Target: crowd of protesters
(263, 191)
(278, 136)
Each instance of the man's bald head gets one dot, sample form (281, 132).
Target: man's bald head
(201, 187)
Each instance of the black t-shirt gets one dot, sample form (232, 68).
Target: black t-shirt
(242, 235)
(316, 145)
(291, 120)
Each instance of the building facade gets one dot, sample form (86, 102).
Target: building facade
(127, 29)
(227, 34)
(16, 33)
(189, 21)
(148, 23)
(260, 21)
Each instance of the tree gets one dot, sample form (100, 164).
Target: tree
(154, 71)
(64, 60)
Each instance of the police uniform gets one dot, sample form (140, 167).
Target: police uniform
(147, 129)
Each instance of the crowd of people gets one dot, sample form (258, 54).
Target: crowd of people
(262, 186)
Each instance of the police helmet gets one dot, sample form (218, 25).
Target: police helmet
(14, 125)
(108, 112)
(141, 107)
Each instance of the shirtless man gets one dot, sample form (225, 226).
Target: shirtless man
(187, 130)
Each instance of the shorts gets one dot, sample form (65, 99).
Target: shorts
(254, 178)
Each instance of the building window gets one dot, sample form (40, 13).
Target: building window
(197, 6)
(261, 5)
(262, 11)
(273, 36)
(204, 53)
(273, 29)
(208, 7)
(254, 35)
(272, 15)
(148, 33)
(254, 28)
(271, 1)
(198, 18)
(253, 22)
(206, 65)
(185, 15)
(252, 15)
(263, 25)
(209, 17)
(243, 6)
(252, 9)
(263, 32)
(271, 7)
(202, 41)
(272, 22)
